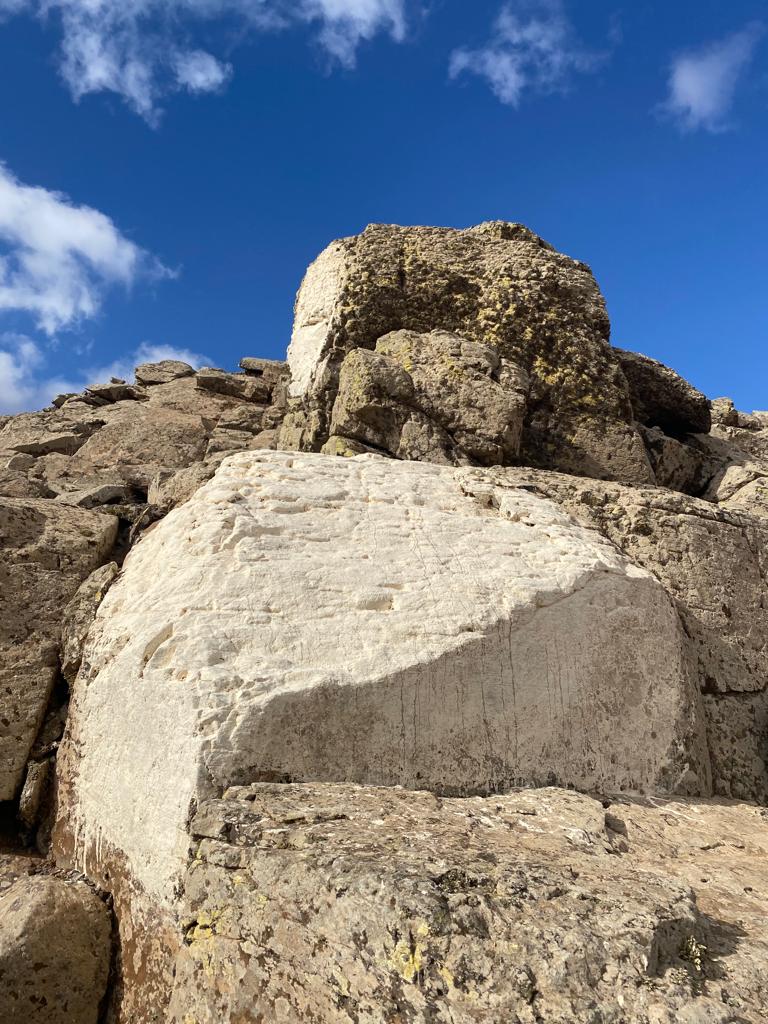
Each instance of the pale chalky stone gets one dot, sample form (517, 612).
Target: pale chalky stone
(312, 618)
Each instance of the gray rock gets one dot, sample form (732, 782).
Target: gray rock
(46, 550)
(678, 466)
(497, 285)
(162, 372)
(662, 398)
(95, 496)
(341, 904)
(55, 946)
(79, 614)
(713, 561)
(432, 397)
(34, 791)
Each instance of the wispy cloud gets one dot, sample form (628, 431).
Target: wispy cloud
(703, 82)
(56, 258)
(533, 47)
(26, 382)
(142, 49)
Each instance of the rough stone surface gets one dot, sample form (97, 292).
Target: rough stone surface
(234, 385)
(362, 620)
(497, 285)
(79, 615)
(163, 372)
(677, 466)
(272, 371)
(432, 397)
(714, 563)
(342, 904)
(299, 624)
(662, 398)
(55, 946)
(46, 550)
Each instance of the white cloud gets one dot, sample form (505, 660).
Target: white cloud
(344, 24)
(533, 47)
(141, 49)
(26, 383)
(145, 353)
(23, 383)
(198, 71)
(56, 258)
(703, 82)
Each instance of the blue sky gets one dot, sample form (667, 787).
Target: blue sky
(170, 167)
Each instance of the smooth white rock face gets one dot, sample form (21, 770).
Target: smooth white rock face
(314, 618)
(315, 304)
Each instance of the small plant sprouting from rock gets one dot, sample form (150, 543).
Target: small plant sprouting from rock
(693, 952)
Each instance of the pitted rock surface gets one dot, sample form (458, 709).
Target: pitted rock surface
(46, 550)
(347, 904)
(497, 285)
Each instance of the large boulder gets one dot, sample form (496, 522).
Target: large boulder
(495, 285)
(713, 562)
(55, 951)
(46, 551)
(363, 620)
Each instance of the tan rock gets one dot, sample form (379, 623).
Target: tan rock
(678, 466)
(496, 285)
(162, 372)
(342, 904)
(78, 616)
(46, 550)
(247, 387)
(271, 371)
(117, 391)
(432, 397)
(55, 944)
(141, 439)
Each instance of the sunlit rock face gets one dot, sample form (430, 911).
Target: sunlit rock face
(496, 285)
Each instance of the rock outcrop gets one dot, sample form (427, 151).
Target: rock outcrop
(283, 712)
(432, 398)
(46, 550)
(343, 904)
(497, 286)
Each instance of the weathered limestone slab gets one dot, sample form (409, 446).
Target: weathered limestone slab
(496, 285)
(46, 550)
(372, 621)
(55, 947)
(713, 561)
